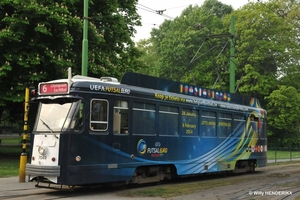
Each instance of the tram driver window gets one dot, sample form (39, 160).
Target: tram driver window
(78, 118)
(99, 115)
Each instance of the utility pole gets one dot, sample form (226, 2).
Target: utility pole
(85, 38)
(232, 58)
(23, 157)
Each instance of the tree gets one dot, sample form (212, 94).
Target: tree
(148, 58)
(186, 47)
(267, 47)
(40, 39)
(267, 52)
(283, 116)
(264, 42)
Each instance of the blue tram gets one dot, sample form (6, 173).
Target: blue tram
(142, 129)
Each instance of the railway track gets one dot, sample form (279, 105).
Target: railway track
(269, 179)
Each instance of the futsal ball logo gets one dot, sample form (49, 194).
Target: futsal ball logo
(141, 147)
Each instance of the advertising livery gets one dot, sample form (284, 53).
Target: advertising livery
(142, 129)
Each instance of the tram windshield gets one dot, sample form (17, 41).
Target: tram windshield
(59, 115)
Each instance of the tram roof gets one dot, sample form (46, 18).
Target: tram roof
(164, 85)
(145, 81)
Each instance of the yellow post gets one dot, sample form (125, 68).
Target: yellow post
(23, 157)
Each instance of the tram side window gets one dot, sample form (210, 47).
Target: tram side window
(143, 115)
(224, 124)
(168, 120)
(208, 124)
(238, 124)
(120, 117)
(99, 115)
(190, 121)
(263, 133)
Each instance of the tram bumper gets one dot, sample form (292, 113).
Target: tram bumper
(49, 172)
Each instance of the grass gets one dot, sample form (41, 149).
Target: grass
(178, 189)
(10, 160)
(9, 166)
(280, 154)
(14, 139)
(10, 156)
(186, 187)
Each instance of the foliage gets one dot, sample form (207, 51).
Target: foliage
(148, 58)
(268, 62)
(283, 107)
(262, 39)
(183, 48)
(191, 49)
(40, 39)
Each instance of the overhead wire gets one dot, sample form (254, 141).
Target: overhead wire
(279, 14)
(218, 74)
(194, 59)
(146, 8)
(205, 53)
(159, 12)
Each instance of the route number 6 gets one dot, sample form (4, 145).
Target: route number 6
(44, 88)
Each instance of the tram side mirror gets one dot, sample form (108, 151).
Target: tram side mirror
(32, 92)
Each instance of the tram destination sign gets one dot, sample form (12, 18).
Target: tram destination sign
(53, 88)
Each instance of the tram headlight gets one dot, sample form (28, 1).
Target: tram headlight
(42, 150)
(78, 158)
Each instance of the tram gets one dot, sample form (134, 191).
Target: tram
(142, 129)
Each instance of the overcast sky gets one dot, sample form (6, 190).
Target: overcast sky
(147, 8)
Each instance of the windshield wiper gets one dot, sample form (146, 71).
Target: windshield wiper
(48, 127)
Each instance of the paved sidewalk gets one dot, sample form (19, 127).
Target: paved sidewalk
(13, 183)
(11, 188)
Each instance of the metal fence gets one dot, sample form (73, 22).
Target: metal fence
(283, 154)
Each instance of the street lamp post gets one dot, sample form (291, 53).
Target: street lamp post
(85, 39)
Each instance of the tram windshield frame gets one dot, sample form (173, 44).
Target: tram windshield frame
(59, 115)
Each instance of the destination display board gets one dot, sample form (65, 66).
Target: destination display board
(53, 88)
